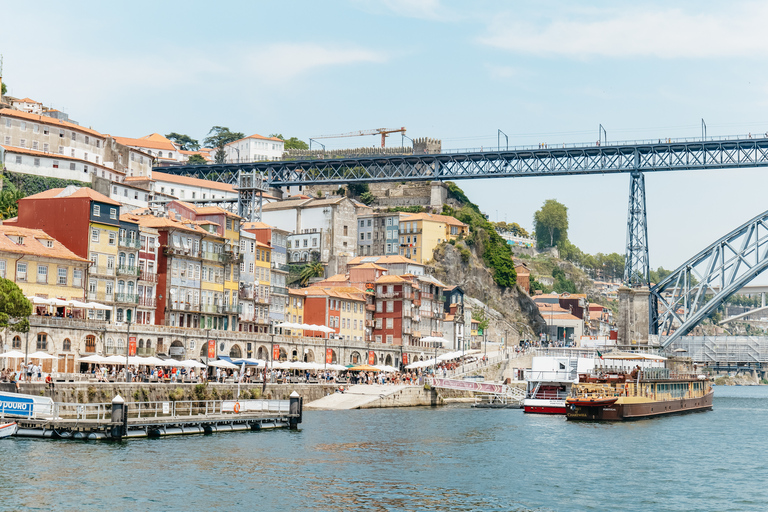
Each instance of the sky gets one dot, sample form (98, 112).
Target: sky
(548, 72)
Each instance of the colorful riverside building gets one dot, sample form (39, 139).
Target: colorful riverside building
(41, 265)
(277, 240)
(88, 224)
(421, 233)
(147, 244)
(221, 261)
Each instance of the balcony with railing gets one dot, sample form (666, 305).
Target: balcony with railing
(148, 277)
(184, 306)
(102, 270)
(130, 243)
(147, 302)
(170, 250)
(101, 297)
(281, 267)
(212, 256)
(245, 294)
(125, 270)
(261, 300)
(370, 307)
(232, 258)
(145, 352)
(126, 298)
(231, 309)
(279, 290)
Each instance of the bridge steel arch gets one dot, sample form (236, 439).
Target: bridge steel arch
(699, 286)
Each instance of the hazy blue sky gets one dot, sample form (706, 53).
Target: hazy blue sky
(458, 71)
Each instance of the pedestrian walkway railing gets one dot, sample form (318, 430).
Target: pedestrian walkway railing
(170, 409)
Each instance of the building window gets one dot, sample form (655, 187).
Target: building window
(112, 238)
(42, 341)
(96, 210)
(90, 343)
(72, 166)
(42, 273)
(2, 268)
(23, 143)
(55, 164)
(62, 276)
(18, 159)
(67, 345)
(113, 213)
(77, 278)
(21, 271)
(16, 342)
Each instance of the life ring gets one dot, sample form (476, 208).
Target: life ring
(237, 407)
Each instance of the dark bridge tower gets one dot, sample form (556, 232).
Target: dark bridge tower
(636, 268)
(634, 301)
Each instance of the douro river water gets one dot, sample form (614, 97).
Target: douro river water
(449, 458)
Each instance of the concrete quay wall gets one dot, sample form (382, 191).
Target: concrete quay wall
(101, 392)
(410, 396)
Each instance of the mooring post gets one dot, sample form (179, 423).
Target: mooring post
(294, 411)
(118, 404)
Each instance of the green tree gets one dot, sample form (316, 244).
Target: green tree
(479, 315)
(218, 137)
(310, 270)
(551, 223)
(5, 90)
(292, 143)
(14, 307)
(185, 142)
(196, 160)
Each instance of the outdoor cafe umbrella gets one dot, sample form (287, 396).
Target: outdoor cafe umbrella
(96, 305)
(364, 368)
(41, 355)
(191, 363)
(93, 359)
(220, 363)
(13, 354)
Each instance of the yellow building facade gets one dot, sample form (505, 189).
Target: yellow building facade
(262, 284)
(421, 233)
(294, 311)
(40, 265)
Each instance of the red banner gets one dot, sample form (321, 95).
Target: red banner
(132, 346)
(328, 356)
(275, 352)
(211, 349)
(371, 357)
(405, 359)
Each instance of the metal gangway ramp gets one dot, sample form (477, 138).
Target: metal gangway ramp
(487, 394)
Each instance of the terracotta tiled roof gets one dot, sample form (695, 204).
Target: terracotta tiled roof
(32, 244)
(151, 221)
(370, 265)
(257, 225)
(192, 182)
(447, 219)
(390, 279)
(165, 145)
(28, 100)
(50, 121)
(382, 260)
(72, 192)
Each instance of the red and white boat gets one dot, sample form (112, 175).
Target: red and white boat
(549, 381)
(8, 429)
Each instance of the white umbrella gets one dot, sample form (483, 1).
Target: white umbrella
(288, 325)
(171, 362)
(114, 360)
(336, 367)
(190, 363)
(58, 302)
(77, 304)
(92, 359)
(39, 301)
(41, 355)
(96, 305)
(13, 354)
(153, 361)
(220, 363)
(385, 368)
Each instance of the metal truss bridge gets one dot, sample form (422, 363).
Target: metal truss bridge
(677, 304)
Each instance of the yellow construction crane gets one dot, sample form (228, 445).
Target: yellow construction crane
(383, 131)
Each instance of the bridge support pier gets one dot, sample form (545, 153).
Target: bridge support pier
(636, 268)
(633, 316)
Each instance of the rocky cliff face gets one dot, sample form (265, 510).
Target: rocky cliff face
(514, 312)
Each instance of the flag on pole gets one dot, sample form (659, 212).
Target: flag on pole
(599, 354)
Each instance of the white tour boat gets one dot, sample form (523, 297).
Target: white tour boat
(549, 381)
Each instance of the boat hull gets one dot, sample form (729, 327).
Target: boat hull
(539, 406)
(8, 430)
(637, 410)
